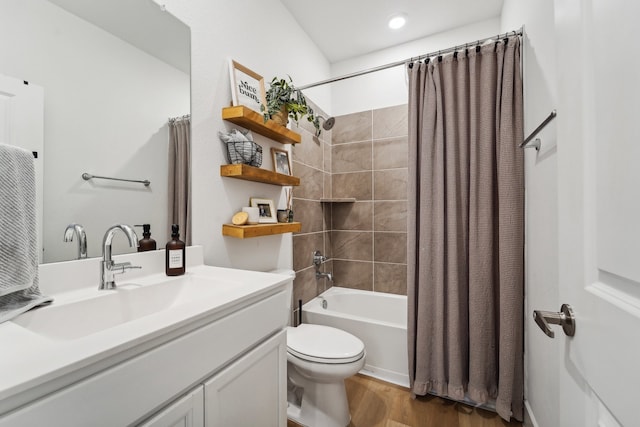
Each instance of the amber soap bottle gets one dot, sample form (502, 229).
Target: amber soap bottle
(175, 254)
(147, 243)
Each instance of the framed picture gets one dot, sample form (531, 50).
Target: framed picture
(266, 210)
(281, 162)
(247, 87)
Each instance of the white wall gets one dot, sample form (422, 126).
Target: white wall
(389, 87)
(542, 355)
(93, 121)
(240, 30)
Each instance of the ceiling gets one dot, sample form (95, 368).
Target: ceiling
(346, 29)
(141, 23)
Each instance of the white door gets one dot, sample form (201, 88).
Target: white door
(22, 125)
(599, 209)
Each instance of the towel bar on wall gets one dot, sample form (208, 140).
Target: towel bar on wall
(536, 144)
(88, 176)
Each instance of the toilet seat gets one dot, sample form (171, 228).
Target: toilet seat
(323, 344)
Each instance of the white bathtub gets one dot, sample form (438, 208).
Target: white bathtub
(378, 319)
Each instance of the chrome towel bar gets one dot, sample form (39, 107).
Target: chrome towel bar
(88, 176)
(536, 143)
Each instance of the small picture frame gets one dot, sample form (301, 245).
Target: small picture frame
(281, 162)
(247, 87)
(266, 210)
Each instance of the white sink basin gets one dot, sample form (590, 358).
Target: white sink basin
(128, 302)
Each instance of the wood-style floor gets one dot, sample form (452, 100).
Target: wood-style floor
(375, 403)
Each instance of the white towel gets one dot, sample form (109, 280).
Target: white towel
(19, 290)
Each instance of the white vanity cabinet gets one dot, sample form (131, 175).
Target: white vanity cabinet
(220, 366)
(252, 391)
(188, 411)
(249, 392)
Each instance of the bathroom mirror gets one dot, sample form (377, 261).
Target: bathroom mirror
(112, 72)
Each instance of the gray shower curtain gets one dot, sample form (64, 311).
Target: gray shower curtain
(180, 176)
(466, 227)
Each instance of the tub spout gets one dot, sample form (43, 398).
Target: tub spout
(322, 275)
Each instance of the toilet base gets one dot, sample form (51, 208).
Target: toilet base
(322, 405)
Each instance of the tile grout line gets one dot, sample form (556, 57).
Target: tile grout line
(371, 170)
(373, 219)
(373, 140)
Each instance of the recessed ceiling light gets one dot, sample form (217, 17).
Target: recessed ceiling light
(397, 21)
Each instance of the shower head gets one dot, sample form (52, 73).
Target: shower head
(328, 123)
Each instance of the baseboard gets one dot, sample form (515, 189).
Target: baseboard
(386, 375)
(529, 419)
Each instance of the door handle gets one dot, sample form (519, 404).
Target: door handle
(564, 317)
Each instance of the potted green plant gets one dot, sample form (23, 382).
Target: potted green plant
(285, 100)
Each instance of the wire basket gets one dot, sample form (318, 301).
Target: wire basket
(247, 152)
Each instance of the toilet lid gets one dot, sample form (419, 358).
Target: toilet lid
(324, 344)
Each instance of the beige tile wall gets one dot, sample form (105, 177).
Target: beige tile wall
(364, 156)
(312, 163)
(369, 237)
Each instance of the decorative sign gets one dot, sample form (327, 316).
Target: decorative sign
(247, 87)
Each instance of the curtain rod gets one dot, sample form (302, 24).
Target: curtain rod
(414, 58)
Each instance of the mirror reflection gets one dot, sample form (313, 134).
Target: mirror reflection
(112, 74)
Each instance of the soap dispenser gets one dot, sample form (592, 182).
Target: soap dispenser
(146, 243)
(175, 253)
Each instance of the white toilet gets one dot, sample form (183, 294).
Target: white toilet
(319, 358)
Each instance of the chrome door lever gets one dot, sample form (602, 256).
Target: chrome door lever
(564, 317)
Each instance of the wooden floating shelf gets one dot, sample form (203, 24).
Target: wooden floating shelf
(246, 231)
(249, 119)
(339, 200)
(251, 173)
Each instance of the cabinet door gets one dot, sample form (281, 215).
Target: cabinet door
(186, 412)
(251, 391)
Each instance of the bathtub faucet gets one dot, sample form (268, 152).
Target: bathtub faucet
(318, 260)
(322, 275)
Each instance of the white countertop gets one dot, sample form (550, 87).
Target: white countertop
(34, 364)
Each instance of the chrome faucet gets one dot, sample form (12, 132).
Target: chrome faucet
(318, 260)
(78, 230)
(322, 275)
(108, 268)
